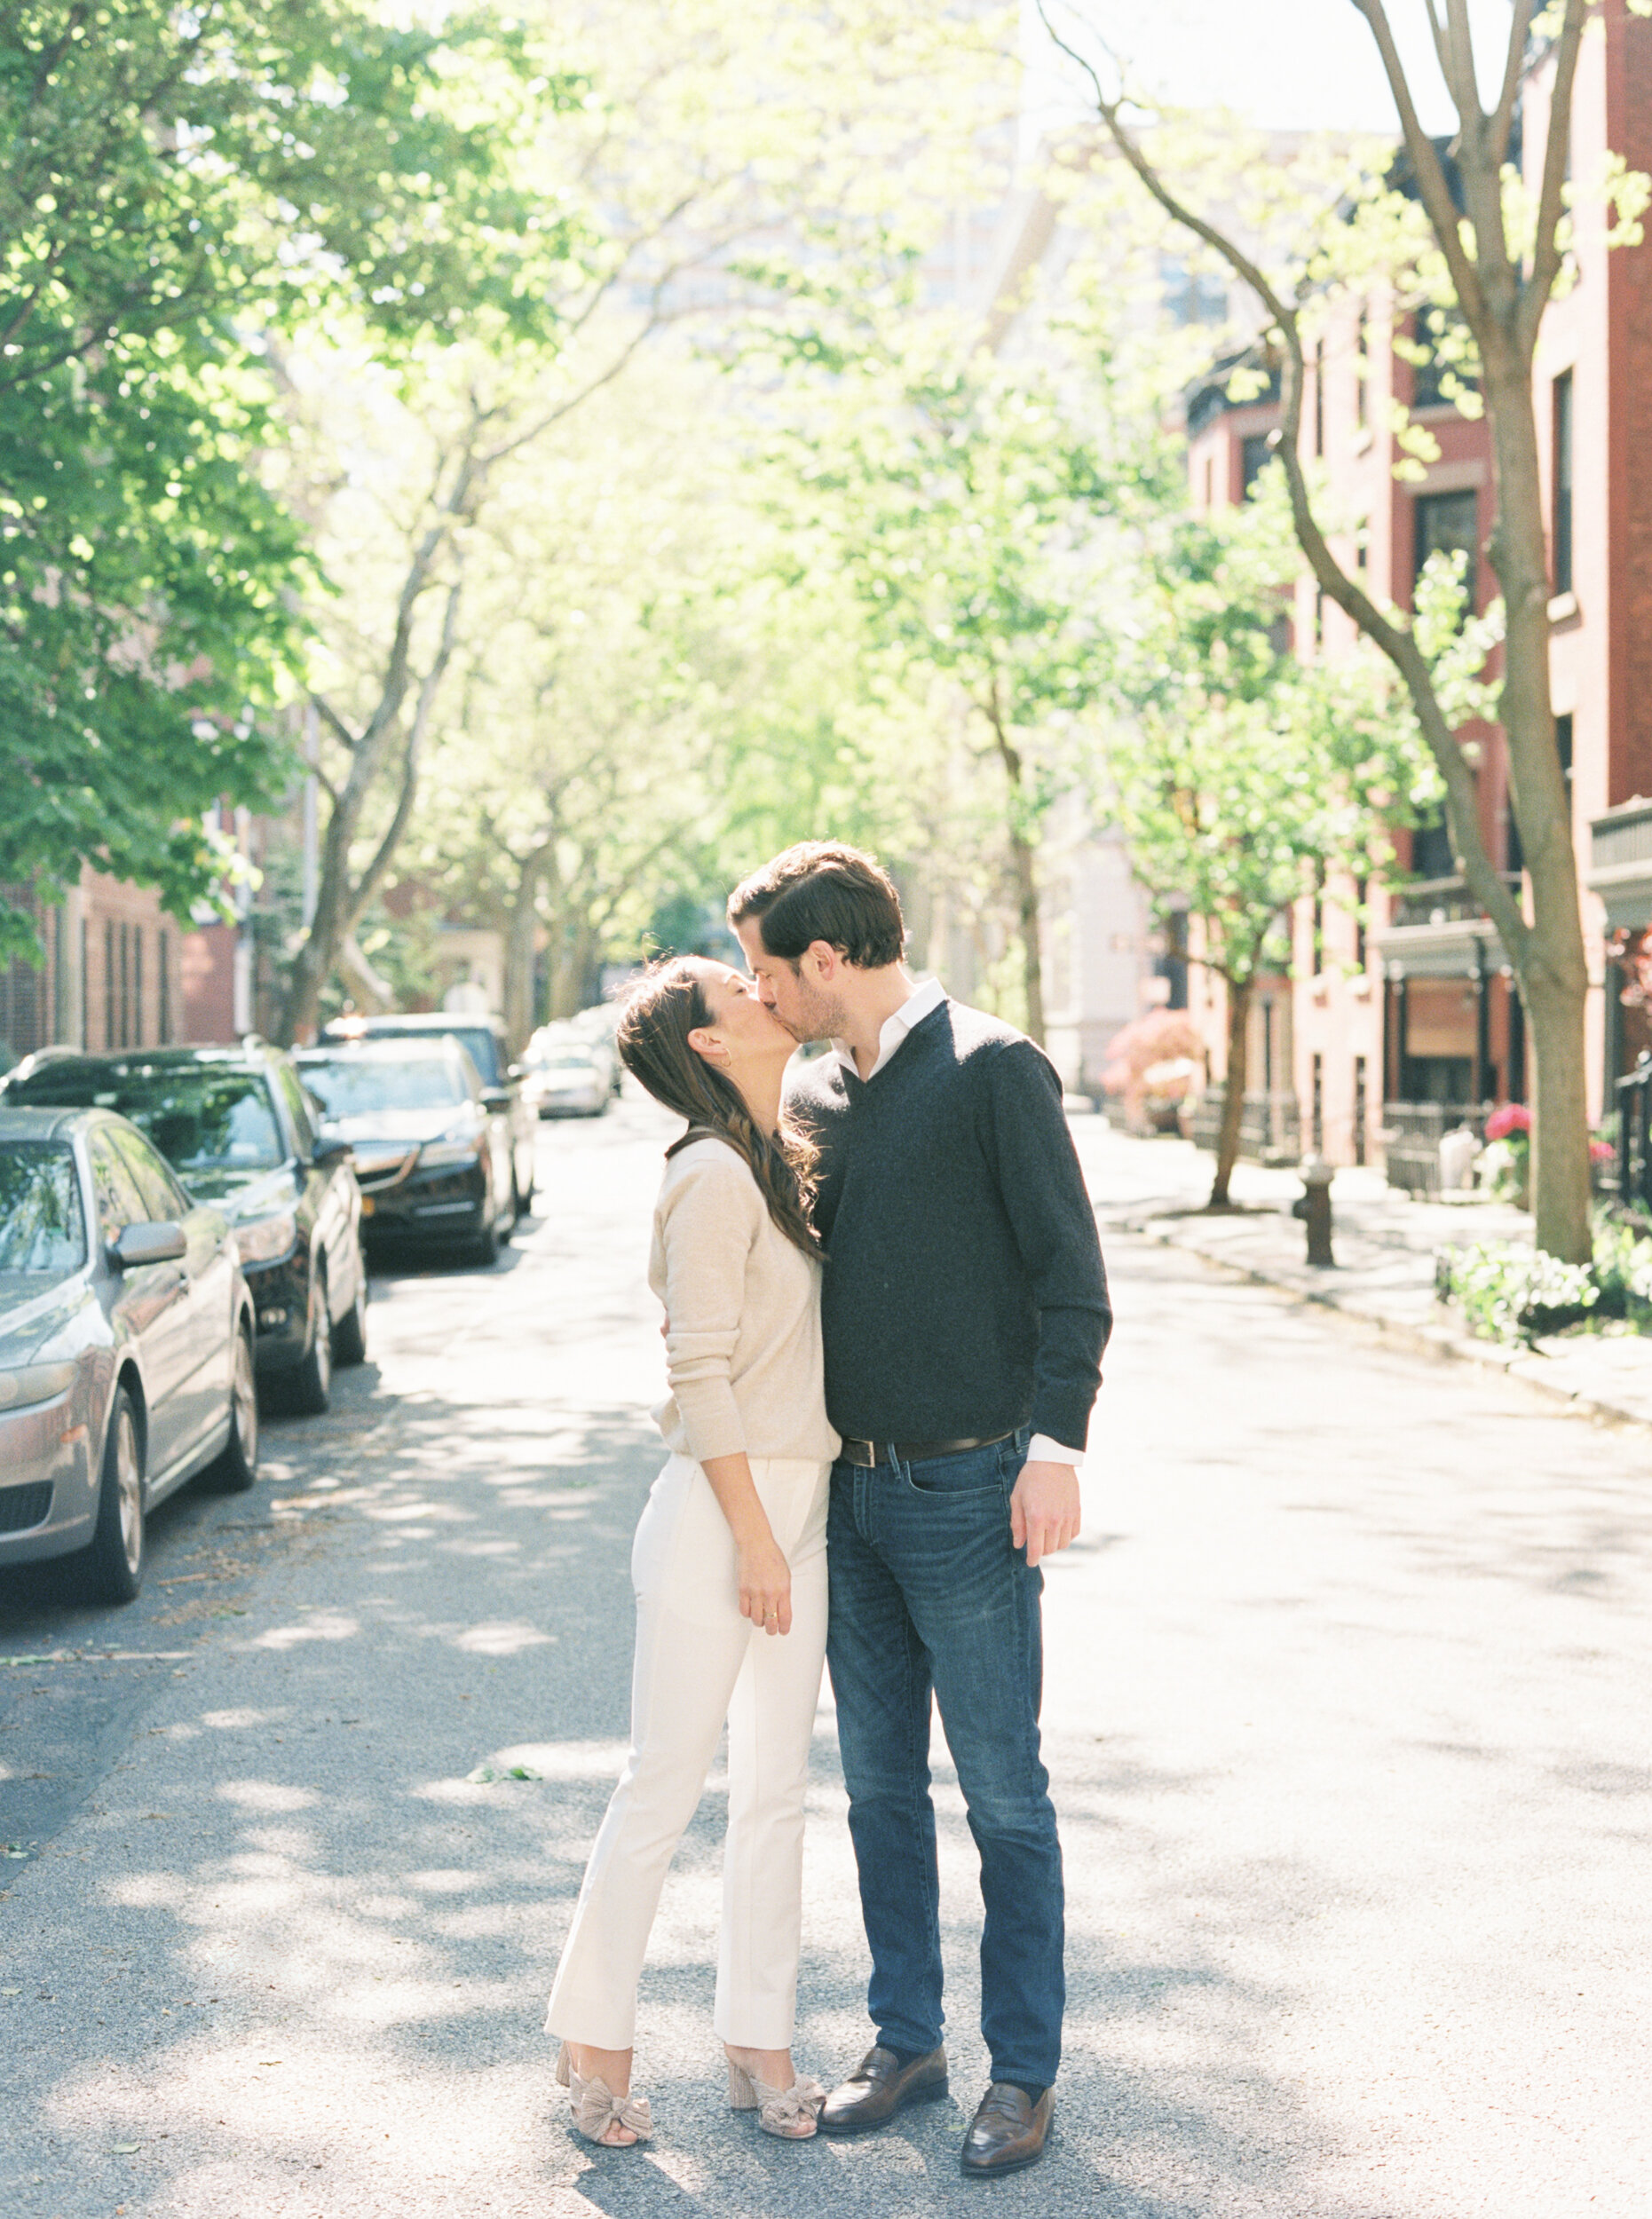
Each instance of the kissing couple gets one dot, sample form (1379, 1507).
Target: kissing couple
(885, 1313)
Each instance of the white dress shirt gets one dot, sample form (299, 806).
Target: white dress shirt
(912, 1011)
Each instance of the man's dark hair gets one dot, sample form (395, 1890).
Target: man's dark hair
(822, 890)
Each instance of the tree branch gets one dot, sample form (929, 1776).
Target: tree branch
(1431, 184)
(1545, 259)
(1394, 640)
(1502, 118)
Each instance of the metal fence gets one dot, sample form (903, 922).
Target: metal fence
(1270, 1125)
(1634, 1135)
(1411, 1137)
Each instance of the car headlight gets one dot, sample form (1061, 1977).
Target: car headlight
(35, 1383)
(436, 1153)
(264, 1239)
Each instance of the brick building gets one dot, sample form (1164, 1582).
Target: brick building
(1405, 1020)
(112, 977)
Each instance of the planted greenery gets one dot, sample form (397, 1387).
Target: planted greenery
(1507, 1291)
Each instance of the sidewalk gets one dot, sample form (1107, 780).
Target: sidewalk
(1385, 1246)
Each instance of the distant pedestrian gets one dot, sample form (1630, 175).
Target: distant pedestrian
(729, 1563)
(965, 1314)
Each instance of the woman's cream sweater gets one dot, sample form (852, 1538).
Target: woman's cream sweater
(742, 1317)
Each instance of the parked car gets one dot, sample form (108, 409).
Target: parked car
(596, 1026)
(567, 1078)
(126, 1338)
(235, 1127)
(432, 1145)
(483, 1040)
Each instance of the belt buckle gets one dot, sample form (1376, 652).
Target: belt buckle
(863, 1453)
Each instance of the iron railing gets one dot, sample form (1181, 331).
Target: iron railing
(1411, 1137)
(1270, 1125)
(1634, 1135)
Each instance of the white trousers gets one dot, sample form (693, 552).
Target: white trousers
(699, 1663)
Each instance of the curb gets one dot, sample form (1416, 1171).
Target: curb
(1425, 1340)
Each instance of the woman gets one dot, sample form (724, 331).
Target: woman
(729, 1563)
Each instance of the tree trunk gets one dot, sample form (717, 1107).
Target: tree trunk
(521, 931)
(1026, 864)
(1550, 964)
(1233, 1100)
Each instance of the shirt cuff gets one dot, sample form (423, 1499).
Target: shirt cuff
(1042, 1449)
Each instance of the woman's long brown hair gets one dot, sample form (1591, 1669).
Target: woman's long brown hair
(655, 1020)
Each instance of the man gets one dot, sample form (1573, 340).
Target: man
(965, 1311)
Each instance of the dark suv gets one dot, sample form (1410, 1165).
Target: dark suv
(238, 1127)
(484, 1040)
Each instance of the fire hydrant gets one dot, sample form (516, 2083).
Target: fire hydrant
(1314, 1208)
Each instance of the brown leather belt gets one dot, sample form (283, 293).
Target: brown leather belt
(870, 1454)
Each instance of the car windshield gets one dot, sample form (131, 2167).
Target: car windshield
(353, 1085)
(567, 1060)
(203, 1117)
(42, 1230)
(477, 1040)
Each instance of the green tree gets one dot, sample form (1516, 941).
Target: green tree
(178, 184)
(959, 505)
(1492, 256)
(1242, 777)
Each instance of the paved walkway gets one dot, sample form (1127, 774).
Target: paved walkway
(1345, 1707)
(1385, 1244)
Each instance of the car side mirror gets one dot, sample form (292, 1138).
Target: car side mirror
(141, 1245)
(495, 1100)
(330, 1149)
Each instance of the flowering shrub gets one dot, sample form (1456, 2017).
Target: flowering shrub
(1601, 1151)
(1163, 1036)
(1512, 1117)
(1507, 1291)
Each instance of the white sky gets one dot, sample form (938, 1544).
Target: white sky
(1285, 64)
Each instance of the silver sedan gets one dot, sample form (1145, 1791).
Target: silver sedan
(126, 1339)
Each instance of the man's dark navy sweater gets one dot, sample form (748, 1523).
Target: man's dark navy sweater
(964, 1292)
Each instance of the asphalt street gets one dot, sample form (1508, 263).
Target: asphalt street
(1346, 1708)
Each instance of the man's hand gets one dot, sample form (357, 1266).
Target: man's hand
(1044, 1510)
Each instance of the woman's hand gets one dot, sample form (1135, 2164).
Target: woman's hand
(765, 1584)
(765, 1577)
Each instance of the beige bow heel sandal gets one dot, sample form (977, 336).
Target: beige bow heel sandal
(791, 2113)
(596, 2108)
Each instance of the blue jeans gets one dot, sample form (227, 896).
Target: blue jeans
(929, 1598)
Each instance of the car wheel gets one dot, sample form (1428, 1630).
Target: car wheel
(112, 1569)
(237, 1467)
(485, 1248)
(522, 1198)
(311, 1387)
(349, 1335)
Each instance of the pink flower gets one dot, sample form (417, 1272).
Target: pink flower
(1602, 1152)
(1514, 1116)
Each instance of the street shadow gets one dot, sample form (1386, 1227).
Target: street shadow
(322, 1918)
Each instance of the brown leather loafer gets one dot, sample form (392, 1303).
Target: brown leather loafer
(879, 2087)
(1007, 2132)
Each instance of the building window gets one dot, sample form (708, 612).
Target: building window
(1361, 374)
(1563, 488)
(1448, 523)
(109, 1040)
(1362, 890)
(1316, 1127)
(125, 1004)
(1431, 850)
(1317, 924)
(1191, 297)
(138, 986)
(1319, 616)
(1255, 454)
(1359, 1109)
(163, 987)
(1319, 397)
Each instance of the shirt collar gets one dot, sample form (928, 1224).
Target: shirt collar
(924, 998)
